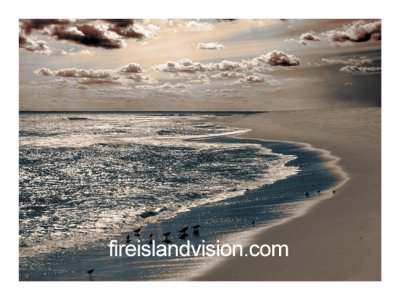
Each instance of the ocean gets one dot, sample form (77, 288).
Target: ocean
(86, 178)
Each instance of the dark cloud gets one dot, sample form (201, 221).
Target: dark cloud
(107, 34)
(357, 32)
(226, 20)
(27, 25)
(91, 35)
(125, 28)
(120, 23)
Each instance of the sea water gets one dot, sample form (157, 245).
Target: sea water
(84, 177)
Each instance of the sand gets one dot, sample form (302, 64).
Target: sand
(338, 238)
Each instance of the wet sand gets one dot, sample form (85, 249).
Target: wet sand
(339, 238)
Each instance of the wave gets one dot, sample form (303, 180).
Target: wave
(73, 195)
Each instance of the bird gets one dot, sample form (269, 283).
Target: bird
(183, 236)
(319, 191)
(166, 234)
(128, 239)
(167, 241)
(253, 223)
(137, 230)
(196, 230)
(307, 194)
(183, 229)
(90, 272)
(151, 242)
(334, 191)
(151, 235)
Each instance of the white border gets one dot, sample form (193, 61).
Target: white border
(12, 11)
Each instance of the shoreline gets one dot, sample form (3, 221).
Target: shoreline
(219, 220)
(329, 254)
(332, 162)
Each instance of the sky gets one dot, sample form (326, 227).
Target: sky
(198, 65)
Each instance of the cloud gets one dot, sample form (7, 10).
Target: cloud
(97, 81)
(183, 65)
(164, 86)
(124, 27)
(252, 79)
(31, 45)
(272, 58)
(106, 34)
(139, 78)
(304, 43)
(92, 35)
(132, 68)
(72, 52)
(226, 65)
(132, 71)
(355, 65)
(351, 61)
(278, 58)
(28, 25)
(356, 70)
(304, 38)
(76, 73)
(227, 75)
(310, 36)
(357, 32)
(198, 26)
(201, 79)
(210, 46)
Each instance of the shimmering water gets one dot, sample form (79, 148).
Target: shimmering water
(84, 177)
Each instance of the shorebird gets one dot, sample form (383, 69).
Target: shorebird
(183, 229)
(166, 234)
(137, 230)
(334, 191)
(307, 194)
(196, 229)
(253, 223)
(90, 272)
(319, 191)
(183, 236)
(151, 242)
(128, 239)
(167, 241)
(151, 235)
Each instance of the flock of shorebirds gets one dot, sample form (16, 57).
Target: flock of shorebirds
(307, 194)
(182, 233)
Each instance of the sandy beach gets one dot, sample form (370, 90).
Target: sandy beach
(339, 238)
